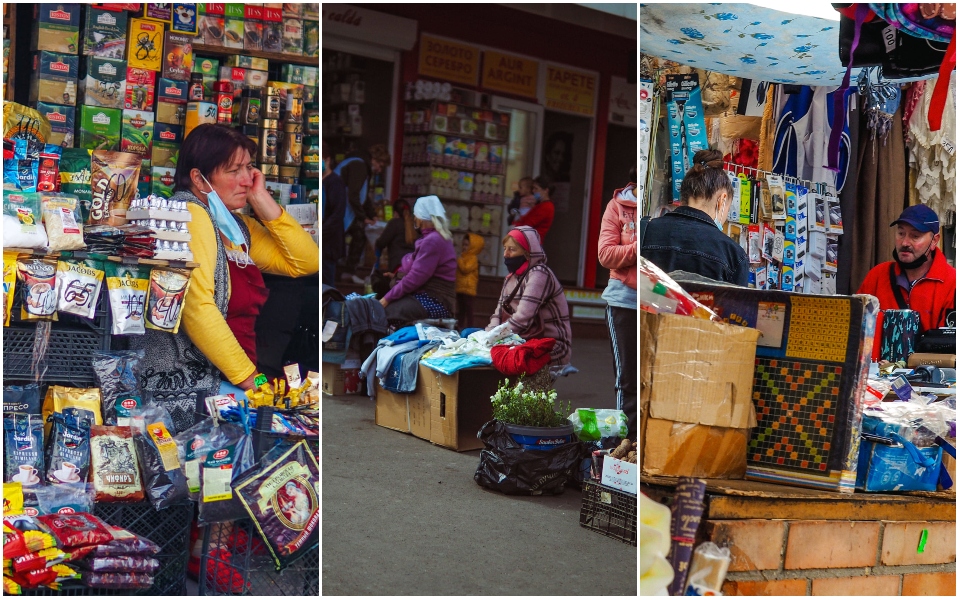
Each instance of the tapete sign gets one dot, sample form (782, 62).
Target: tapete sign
(570, 91)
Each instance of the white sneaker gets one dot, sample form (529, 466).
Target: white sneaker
(357, 280)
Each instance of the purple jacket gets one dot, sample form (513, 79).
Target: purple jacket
(433, 256)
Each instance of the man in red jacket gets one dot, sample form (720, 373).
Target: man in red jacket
(918, 278)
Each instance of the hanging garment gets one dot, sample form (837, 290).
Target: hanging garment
(932, 153)
(803, 136)
(912, 18)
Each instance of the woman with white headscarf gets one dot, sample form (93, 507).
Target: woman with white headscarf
(427, 288)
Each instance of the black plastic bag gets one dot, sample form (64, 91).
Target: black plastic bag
(511, 469)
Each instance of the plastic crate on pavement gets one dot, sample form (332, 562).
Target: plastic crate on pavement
(610, 512)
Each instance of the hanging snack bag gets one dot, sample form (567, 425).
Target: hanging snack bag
(65, 498)
(22, 227)
(116, 474)
(283, 501)
(163, 479)
(62, 220)
(219, 469)
(168, 289)
(80, 529)
(68, 449)
(127, 287)
(38, 277)
(22, 449)
(9, 284)
(82, 403)
(118, 377)
(78, 286)
(113, 181)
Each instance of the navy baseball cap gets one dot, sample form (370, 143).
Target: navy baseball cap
(921, 217)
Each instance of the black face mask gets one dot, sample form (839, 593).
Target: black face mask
(514, 263)
(915, 264)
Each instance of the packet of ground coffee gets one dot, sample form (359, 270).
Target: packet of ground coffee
(127, 287)
(68, 449)
(163, 478)
(113, 181)
(23, 449)
(116, 474)
(168, 289)
(21, 399)
(38, 277)
(118, 374)
(78, 286)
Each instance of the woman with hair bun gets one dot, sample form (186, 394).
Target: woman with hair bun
(691, 237)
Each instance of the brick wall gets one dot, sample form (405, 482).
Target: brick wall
(836, 558)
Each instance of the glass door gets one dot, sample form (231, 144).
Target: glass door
(523, 151)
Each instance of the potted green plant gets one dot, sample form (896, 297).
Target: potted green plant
(532, 415)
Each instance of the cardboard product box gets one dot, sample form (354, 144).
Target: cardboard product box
(62, 123)
(255, 79)
(54, 78)
(950, 464)
(140, 90)
(293, 37)
(145, 49)
(948, 361)
(177, 56)
(340, 380)
(171, 113)
(308, 76)
(311, 38)
(162, 181)
(56, 28)
(811, 368)
(292, 10)
(99, 128)
(145, 183)
(166, 144)
(199, 113)
(695, 392)
(158, 11)
(105, 33)
(252, 26)
(311, 11)
(172, 90)
(210, 69)
(247, 62)
(409, 413)
(103, 82)
(136, 133)
(272, 28)
(211, 30)
(184, 19)
(233, 26)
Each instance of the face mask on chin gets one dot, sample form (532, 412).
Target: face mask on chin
(927, 255)
(513, 263)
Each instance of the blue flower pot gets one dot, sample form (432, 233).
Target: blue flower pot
(540, 438)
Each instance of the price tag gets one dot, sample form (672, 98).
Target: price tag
(949, 147)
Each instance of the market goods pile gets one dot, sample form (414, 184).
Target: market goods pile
(73, 448)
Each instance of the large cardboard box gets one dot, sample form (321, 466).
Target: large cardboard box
(810, 373)
(448, 410)
(340, 380)
(696, 378)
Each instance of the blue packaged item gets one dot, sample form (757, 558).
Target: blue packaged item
(890, 463)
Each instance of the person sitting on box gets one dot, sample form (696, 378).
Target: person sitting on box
(691, 238)
(426, 288)
(918, 278)
(532, 299)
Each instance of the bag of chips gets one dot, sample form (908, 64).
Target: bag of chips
(113, 182)
(120, 564)
(39, 560)
(22, 221)
(78, 286)
(118, 376)
(116, 474)
(65, 498)
(168, 289)
(9, 284)
(117, 581)
(60, 217)
(22, 399)
(11, 587)
(38, 287)
(22, 448)
(282, 498)
(127, 286)
(219, 469)
(36, 535)
(79, 402)
(68, 450)
(80, 529)
(163, 479)
(12, 498)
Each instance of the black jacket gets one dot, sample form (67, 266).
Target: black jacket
(687, 239)
(354, 176)
(335, 194)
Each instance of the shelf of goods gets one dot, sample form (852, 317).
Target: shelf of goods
(204, 49)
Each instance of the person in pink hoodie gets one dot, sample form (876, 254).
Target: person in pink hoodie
(617, 250)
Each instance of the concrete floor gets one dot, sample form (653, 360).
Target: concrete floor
(403, 516)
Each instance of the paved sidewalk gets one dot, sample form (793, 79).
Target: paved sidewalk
(402, 516)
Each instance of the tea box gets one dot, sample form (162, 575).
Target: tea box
(163, 181)
(103, 82)
(184, 18)
(293, 36)
(210, 24)
(247, 62)
(199, 113)
(292, 10)
(272, 28)
(62, 123)
(105, 33)
(311, 38)
(252, 26)
(177, 56)
(171, 101)
(54, 78)
(146, 45)
(166, 144)
(56, 28)
(233, 26)
(299, 74)
(144, 185)
(209, 68)
(136, 133)
(99, 128)
(141, 87)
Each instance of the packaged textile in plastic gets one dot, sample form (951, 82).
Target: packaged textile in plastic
(658, 293)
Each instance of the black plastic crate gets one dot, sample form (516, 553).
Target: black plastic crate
(68, 358)
(610, 512)
(169, 529)
(236, 561)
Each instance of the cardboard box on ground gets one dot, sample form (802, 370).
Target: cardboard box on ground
(695, 385)
(447, 410)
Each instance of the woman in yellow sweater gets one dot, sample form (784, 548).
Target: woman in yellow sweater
(216, 342)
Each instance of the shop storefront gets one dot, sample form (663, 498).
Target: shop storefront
(563, 118)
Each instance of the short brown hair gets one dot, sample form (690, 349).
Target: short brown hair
(379, 153)
(706, 178)
(208, 148)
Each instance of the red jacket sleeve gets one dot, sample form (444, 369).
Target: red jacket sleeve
(540, 217)
(610, 251)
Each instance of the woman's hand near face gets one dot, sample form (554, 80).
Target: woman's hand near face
(261, 200)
